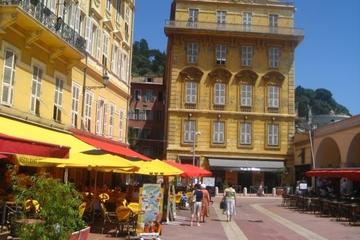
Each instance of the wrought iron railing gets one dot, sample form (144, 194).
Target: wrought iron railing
(51, 21)
(171, 24)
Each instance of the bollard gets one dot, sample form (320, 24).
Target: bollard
(216, 190)
(245, 191)
(274, 192)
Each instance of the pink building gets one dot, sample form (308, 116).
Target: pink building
(147, 116)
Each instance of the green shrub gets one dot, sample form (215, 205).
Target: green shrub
(59, 204)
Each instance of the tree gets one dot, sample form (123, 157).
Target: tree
(147, 62)
(321, 101)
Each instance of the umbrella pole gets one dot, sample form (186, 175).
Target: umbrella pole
(93, 212)
(66, 175)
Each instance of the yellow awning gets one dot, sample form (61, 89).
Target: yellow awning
(80, 160)
(156, 167)
(28, 131)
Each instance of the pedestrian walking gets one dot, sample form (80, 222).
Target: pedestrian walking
(230, 200)
(205, 203)
(197, 197)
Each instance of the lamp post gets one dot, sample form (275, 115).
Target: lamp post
(194, 142)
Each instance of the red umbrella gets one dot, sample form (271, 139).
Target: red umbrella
(190, 170)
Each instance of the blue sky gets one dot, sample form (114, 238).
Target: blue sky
(329, 56)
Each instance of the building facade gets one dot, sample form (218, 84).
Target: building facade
(66, 64)
(335, 146)
(230, 84)
(146, 116)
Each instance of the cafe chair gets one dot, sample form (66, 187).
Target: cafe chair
(108, 217)
(123, 215)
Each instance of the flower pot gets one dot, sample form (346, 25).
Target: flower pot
(83, 234)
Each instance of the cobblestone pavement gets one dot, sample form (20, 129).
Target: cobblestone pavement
(258, 218)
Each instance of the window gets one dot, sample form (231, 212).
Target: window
(99, 117)
(148, 115)
(189, 130)
(114, 59)
(193, 15)
(192, 52)
(273, 134)
(108, 5)
(191, 92)
(247, 18)
(273, 96)
(247, 21)
(82, 25)
(274, 57)
(118, 10)
(220, 53)
(125, 66)
(8, 77)
(50, 4)
(221, 17)
(273, 21)
(246, 55)
(137, 114)
(111, 119)
(158, 115)
(219, 94)
(160, 96)
(121, 124)
(59, 87)
(149, 95)
(218, 132)
(245, 133)
(88, 106)
(105, 120)
(146, 133)
(246, 95)
(89, 34)
(75, 92)
(105, 49)
(137, 94)
(127, 14)
(36, 90)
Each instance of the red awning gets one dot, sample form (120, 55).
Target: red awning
(14, 145)
(2, 156)
(190, 170)
(109, 145)
(352, 174)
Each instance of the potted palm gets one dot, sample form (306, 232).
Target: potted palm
(57, 210)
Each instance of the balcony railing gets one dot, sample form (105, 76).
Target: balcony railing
(171, 24)
(50, 20)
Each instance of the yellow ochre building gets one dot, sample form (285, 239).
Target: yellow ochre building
(66, 64)
(230, 82)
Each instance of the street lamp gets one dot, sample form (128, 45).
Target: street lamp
(194, 142)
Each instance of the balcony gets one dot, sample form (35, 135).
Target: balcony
(39, 24)
(186, 27)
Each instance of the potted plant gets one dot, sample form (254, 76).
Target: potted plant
(58, 210)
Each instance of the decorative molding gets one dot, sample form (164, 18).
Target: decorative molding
(191, 74)
(31, 37)
(56, 52)
(7, 19)
(220, 74)
(247, 76)
(274, 76)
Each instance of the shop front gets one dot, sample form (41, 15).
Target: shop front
(247, 173)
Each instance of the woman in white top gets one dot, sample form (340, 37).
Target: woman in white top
(230, 200)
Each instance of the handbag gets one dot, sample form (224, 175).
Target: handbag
(223, 204)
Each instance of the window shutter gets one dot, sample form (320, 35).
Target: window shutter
(88, 29)
(61, 9)
(77, 20)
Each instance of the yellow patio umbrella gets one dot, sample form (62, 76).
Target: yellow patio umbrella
(94, 159)
(156, 167)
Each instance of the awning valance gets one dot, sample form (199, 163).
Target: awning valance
(246, 164)
(14, 145)
(35, 133)
(109, 146)
(190, 170)
(353, 174)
